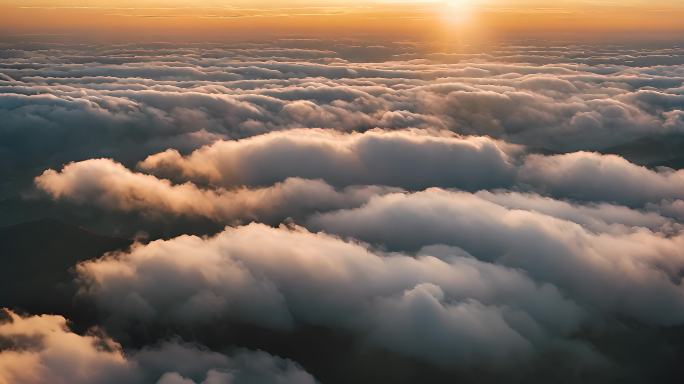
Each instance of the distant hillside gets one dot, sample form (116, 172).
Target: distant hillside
(36, 260)
(653, 151)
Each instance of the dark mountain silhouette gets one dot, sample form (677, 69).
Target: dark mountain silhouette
(665, 150)
(37, 261)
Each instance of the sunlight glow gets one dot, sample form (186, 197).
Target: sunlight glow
(457, 12)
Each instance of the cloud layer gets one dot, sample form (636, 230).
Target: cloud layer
(502, 209)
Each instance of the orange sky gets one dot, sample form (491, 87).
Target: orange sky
(220, 18)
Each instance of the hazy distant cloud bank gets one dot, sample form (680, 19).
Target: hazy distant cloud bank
(127, 102)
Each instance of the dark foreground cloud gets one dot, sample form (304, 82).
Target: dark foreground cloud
(42, 349)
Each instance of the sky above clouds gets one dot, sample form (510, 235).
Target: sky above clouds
(473, 20)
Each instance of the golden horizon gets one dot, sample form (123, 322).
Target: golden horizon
(178, 18)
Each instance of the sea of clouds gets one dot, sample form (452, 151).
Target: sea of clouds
(496, 210)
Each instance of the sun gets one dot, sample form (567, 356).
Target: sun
(457, 12)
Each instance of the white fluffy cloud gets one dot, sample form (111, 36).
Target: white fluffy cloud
(595, 177)
(417, 160)
(625, 270)
(410, 158)
(475, 312)
(110, 185)
(595, 217)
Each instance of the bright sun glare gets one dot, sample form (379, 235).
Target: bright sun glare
(457, 12)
